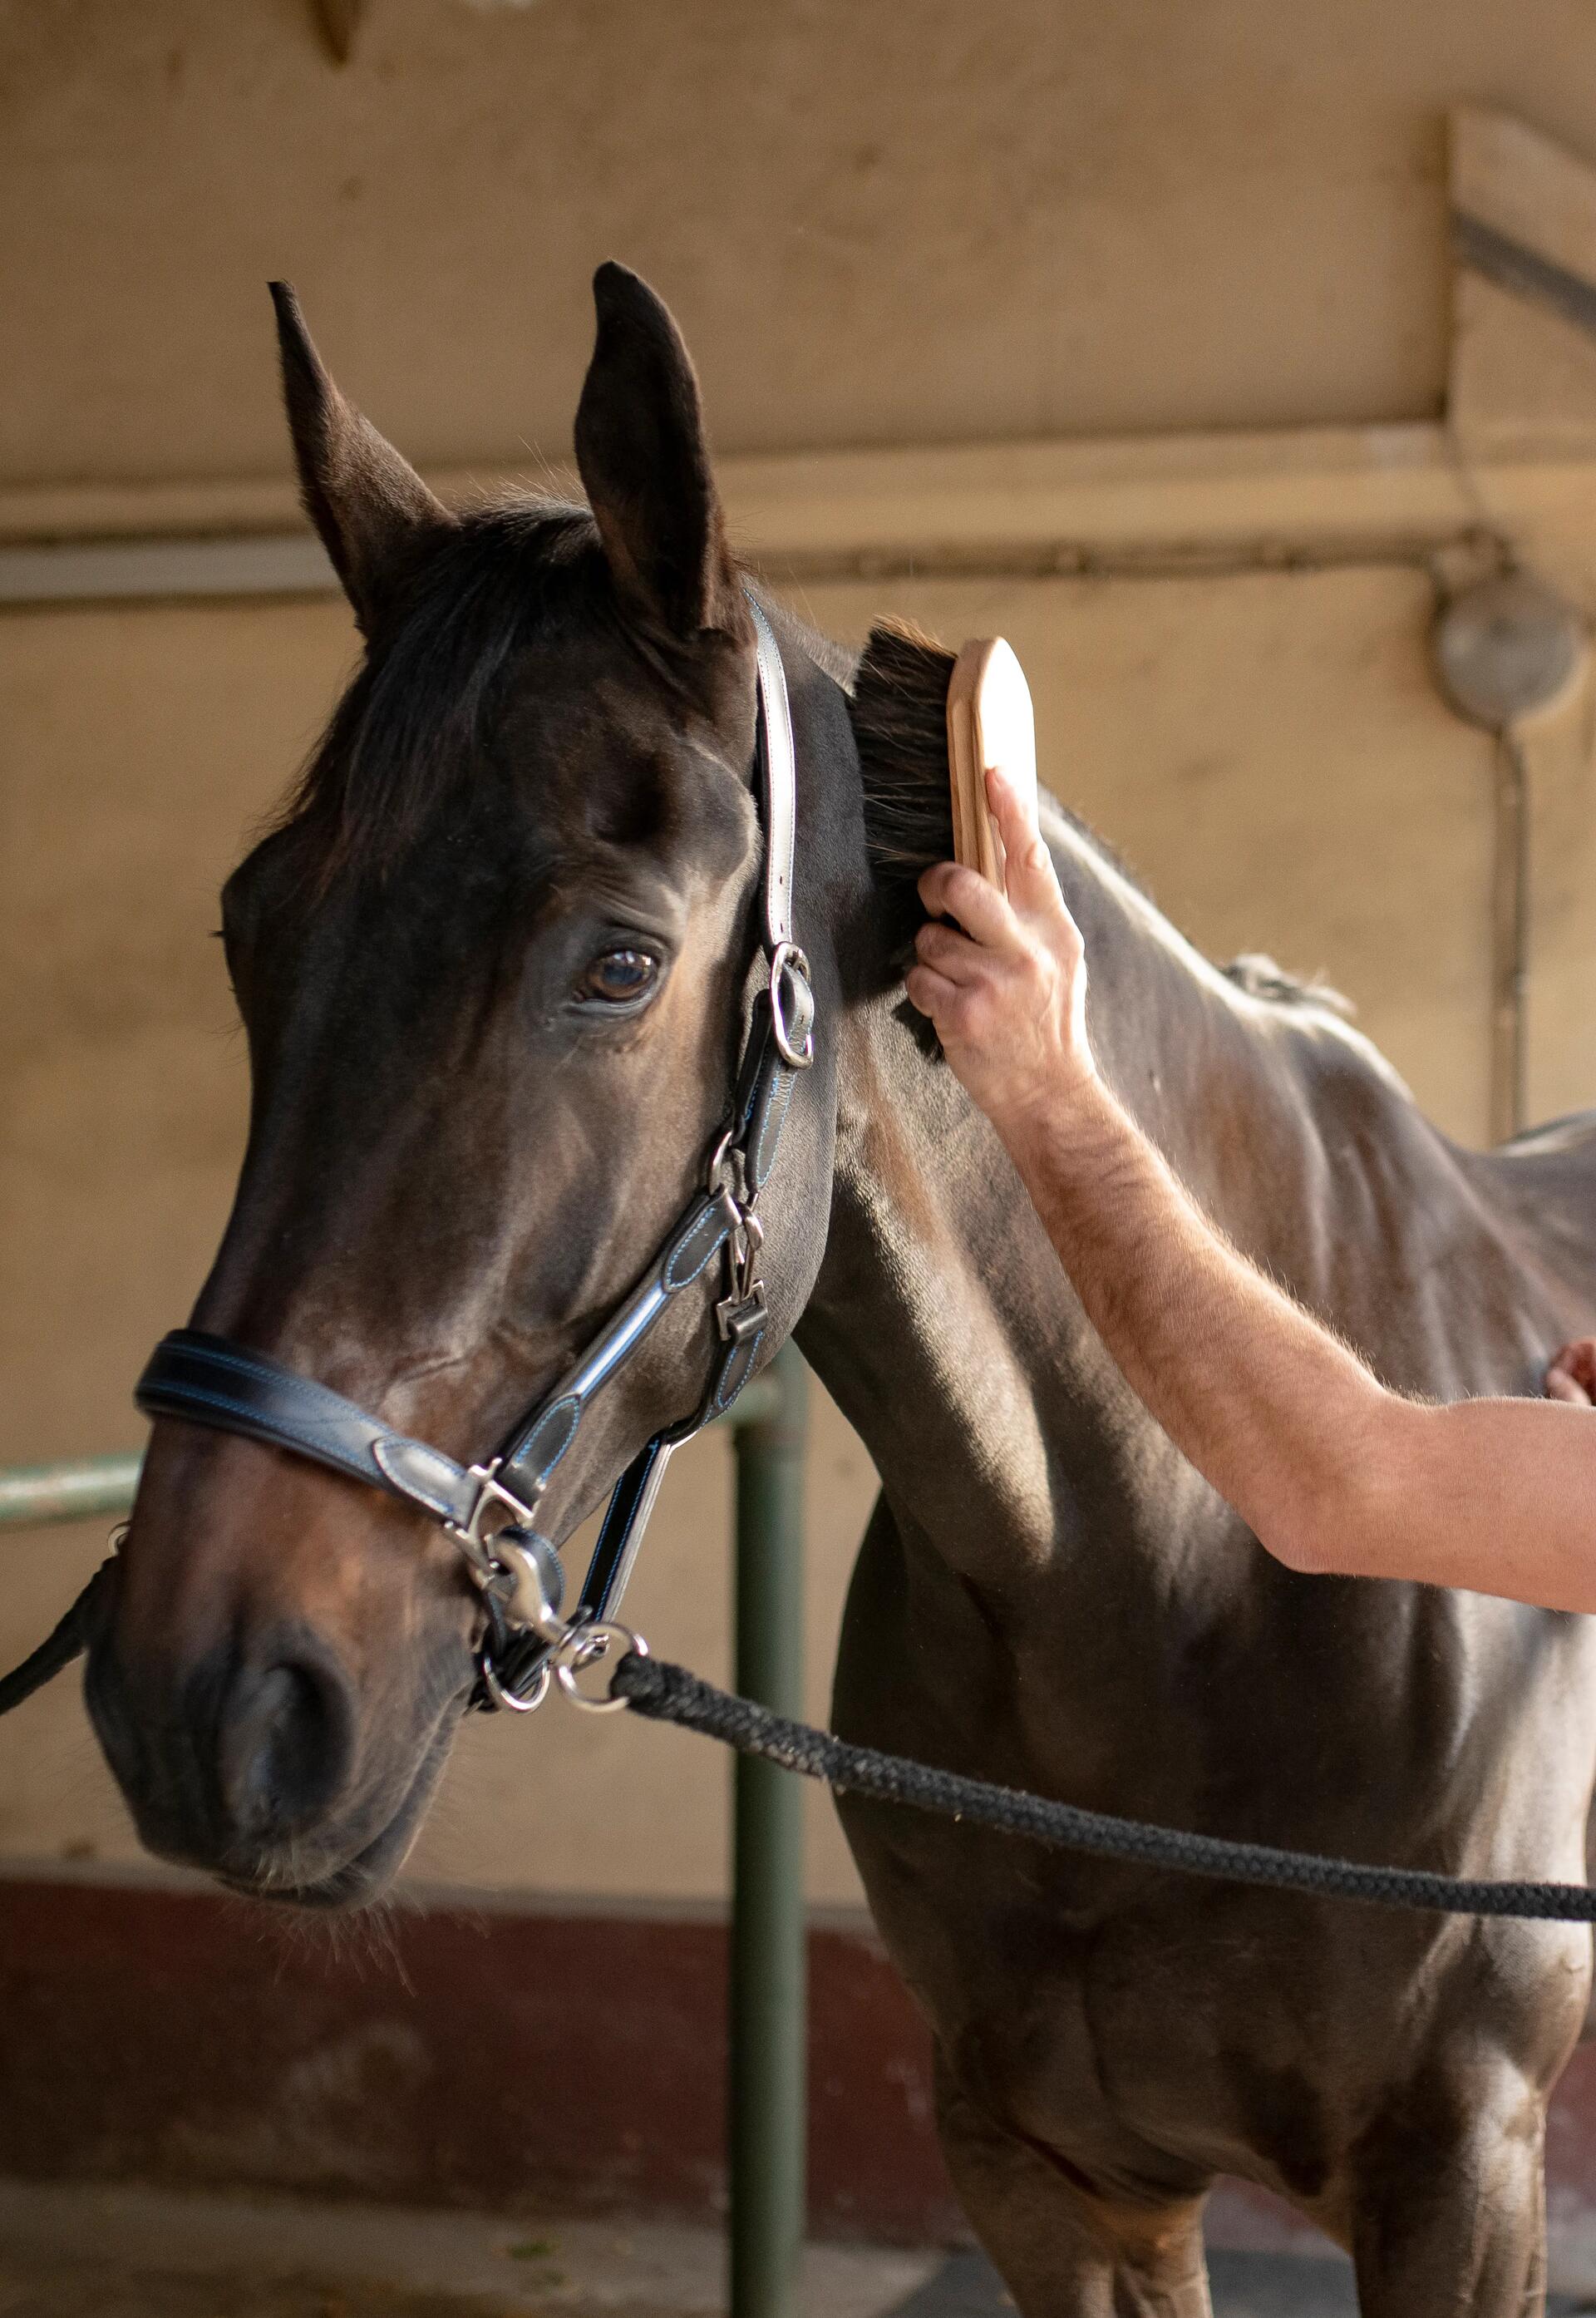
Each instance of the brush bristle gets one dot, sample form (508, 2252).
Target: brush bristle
(899, 711)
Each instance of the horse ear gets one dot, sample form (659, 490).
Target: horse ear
(644, 463)
(369, 504)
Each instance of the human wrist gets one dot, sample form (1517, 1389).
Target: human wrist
(1069, 1127)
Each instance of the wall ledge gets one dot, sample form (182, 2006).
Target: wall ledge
(1332, 493)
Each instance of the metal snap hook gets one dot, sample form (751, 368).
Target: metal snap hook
(587, 1646)
(537, 1583)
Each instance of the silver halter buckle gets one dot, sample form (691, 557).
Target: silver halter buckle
(785, 960)
(742, 1312)
(475, 1537)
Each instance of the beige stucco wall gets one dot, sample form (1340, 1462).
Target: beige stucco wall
(880, 226)
(880, 223)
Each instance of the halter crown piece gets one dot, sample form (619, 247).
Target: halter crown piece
(489, 1509)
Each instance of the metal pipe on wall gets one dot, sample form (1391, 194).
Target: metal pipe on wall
(1510, 939)
(79, 1489)
(1508, 651)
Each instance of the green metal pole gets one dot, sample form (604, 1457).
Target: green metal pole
(768, 2104)
(75, 1489)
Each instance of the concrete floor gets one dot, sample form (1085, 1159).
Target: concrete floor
(72, 2252)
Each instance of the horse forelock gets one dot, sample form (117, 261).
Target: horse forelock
(415, 721)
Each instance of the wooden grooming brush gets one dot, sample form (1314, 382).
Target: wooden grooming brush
(988, 722)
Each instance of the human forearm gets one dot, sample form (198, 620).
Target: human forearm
(1266, 1404)
(1332, 1471)
(1270, 1408)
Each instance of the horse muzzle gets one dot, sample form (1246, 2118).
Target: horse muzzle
(282, 1753)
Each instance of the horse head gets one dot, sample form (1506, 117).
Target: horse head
(494, 962)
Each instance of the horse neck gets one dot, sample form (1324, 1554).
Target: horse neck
(942, 1321)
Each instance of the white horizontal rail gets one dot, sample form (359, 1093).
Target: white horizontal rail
(166, 569)
(1022, 508)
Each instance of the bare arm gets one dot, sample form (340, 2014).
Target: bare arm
(1332, 1472)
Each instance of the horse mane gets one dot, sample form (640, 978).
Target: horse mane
(1257, 973)
(419, 712)
(1570, 1132)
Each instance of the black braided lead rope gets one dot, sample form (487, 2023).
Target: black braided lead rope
(669, 1693)
(58, 1650)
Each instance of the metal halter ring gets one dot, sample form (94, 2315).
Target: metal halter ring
(501, 1696)
(584, 1646)
(788, 958)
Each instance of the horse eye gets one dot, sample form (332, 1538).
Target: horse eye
(617, 975)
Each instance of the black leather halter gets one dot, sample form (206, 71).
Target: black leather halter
(489, 1509)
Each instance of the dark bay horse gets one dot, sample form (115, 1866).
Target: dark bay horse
(492, 962)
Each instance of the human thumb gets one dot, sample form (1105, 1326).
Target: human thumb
(1029, 875)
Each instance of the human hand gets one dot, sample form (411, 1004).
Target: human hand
(1572, 1376)
(1008, 992)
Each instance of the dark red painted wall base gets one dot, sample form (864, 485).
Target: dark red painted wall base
(571, 2064)
(564, 2062)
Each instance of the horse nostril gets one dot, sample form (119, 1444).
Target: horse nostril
(286, 1741)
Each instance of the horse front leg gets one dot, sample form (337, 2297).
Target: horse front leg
(1449, 2201)
(1062, 2249)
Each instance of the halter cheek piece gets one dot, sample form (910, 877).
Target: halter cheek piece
(489, 1509)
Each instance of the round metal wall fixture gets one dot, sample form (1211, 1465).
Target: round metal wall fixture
(1509, 651)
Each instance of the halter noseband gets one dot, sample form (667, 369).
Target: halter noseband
(489, 1508)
